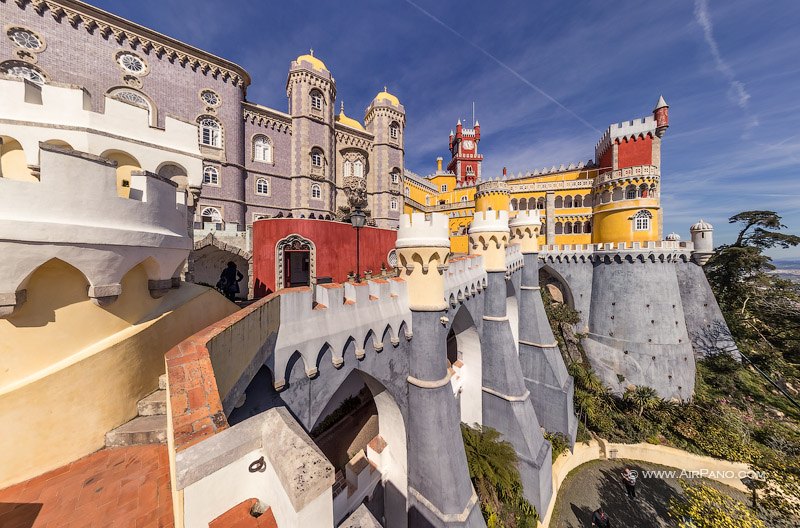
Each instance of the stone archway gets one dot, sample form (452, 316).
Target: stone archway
(210, 256)
(464, 355)
(555, 285)
(286, 264)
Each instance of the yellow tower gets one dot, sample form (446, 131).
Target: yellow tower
(492, 196)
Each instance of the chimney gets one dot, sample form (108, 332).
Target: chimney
(504, 173)
(439, 164)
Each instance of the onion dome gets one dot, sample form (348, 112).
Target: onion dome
(311, 59)
(673, 237)
(702, 225)
(386, 96)
(349, 121)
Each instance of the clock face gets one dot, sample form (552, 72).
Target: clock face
(468, 145)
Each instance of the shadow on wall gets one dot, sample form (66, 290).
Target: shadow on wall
(209, 262)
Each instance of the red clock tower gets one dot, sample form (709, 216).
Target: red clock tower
(465, 162)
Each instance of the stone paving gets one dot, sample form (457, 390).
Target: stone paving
(599, 483)
(120, 487)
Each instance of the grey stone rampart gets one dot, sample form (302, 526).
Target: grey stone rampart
(506, 400)
(708, 331)
(574, 271)
(541, 362)
(637, 328)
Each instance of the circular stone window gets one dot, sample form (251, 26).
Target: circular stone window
(132, 63)
(25, 38)
(210, 98)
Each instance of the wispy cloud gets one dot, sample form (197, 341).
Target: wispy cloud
(737, 91)
(503, 65)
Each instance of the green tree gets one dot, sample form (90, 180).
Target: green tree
(705, 507)
(762, 310)
(493, 469)
(642, 398)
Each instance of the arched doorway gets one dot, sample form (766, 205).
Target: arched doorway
(295, 262)
(555, 286)
(211, 256)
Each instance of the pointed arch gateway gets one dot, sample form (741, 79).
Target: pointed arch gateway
(295, 262)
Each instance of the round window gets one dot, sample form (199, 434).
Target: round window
(23, 71)
(210, 98)
(25, 39)
(131, 63)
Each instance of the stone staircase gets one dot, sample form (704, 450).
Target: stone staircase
(150, 427)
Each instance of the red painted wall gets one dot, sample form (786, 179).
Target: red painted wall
(335, 243)
(638, 152)
(607, 159)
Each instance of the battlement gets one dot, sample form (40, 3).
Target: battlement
(526, 218)
(75, 205)
(626, 130)
(464, 278)
(514, 258)
(421, 230)
(492, 186)
(489, 221)
(646, 172)
(32, 113)
(669, 250)
(340, 317)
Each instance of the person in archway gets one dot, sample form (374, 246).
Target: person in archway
(600, 519)
(229, 281)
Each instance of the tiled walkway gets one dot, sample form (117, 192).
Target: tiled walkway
(120, 487)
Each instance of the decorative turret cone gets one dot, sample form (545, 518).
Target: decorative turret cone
(489, 236)
(525, 231)
(423, 251)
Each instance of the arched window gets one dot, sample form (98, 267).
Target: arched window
(131, 97)
(630, 192)
(641, 221)
(568, 228)
(587, 227)
(210, 132)
(578, 202)
(427, 200)
(568, 201)
(559, 202)
(652, 193)
(393, 204)
(514, 204)
(643, 190)
(540, 203)
(211, 175)
(464, 198)
(395, 174)
(618, 194)
(316, 100)
(316, 192)
(358, 169)
(523, 204)
(470, 171)
(262, 149)
(262, 186)
(211, 214)
(559, 228)
(394, 130)
(577, 228)
(316, 158)
(23, 70)
(408, 191)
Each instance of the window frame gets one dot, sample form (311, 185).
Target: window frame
(316, 153)
(393, 204)
(443, 187)
(203, 126)
(266, 182)
(267, 142)
(642, 220)
(317, 100)
(316, 192)
(218, 211)
(211, 169)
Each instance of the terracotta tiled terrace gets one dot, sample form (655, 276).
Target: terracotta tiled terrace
(120, 487)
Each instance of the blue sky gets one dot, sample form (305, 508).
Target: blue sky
(547, 77)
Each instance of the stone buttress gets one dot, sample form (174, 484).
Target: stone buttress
(439, 489)
(543, 368)
(507, 405)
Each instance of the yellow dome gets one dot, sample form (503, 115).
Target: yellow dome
(310, 58)
(349, 121)
(386, 96)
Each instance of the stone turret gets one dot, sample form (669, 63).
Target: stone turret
(703, 239)
(489, 236)
(492, 195)
(525, 231)
(423, 251)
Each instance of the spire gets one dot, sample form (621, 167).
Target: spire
(661, 103)
(384, 88)
(459, 122)
(477, 123)
(311, 51)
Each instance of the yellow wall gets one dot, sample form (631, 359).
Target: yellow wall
(492, 201)
(125, 165)
(13, 164)
(459, 244)
(71, 395)
(613, 224)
